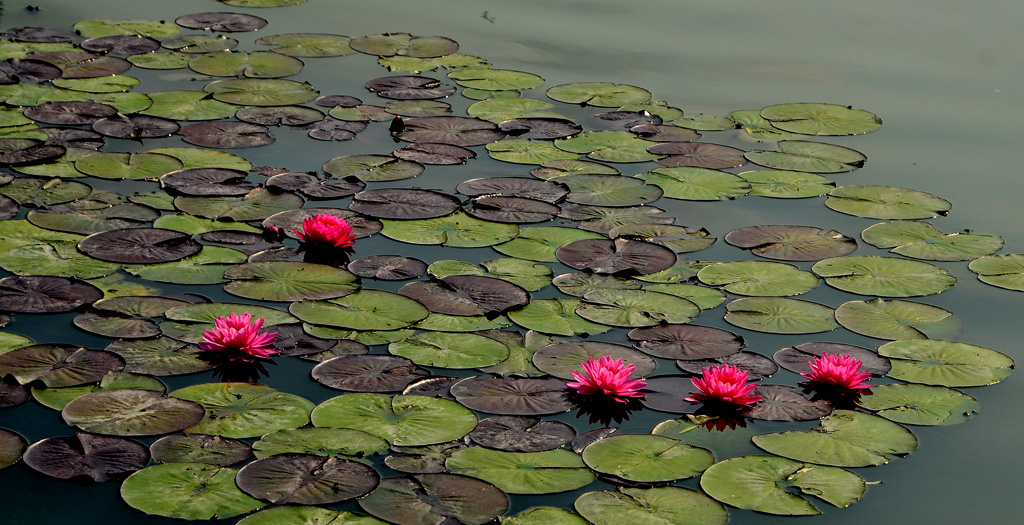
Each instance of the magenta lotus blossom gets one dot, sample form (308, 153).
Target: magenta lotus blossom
(838, 370)
(239, 335)
(326, 229)
(606, 377)
(723, 384)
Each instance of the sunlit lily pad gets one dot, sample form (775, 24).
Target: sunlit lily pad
(450, 350)
(897, 319)
(543, 516)
(499, 110)
(513, 396)
(920, 404)
(98, 457)
(161, 60)
(608, 190)
(609, 146)
(780, 315)
(495, 79)
(845, 439)
(363, 310)
(821, 119)
(791, 243)
(242, 410)
(886, 202)
(555, 316)
(759, 483)
(600, 94)
(527, 151)
(206, 267)
(323, 441)
(704, 122)
(697, 184)
(131, 412)
(539, 243)
(1004, 271)
(151, 28)
(193, 491)
(651, 506)
(816, 157)
(221, 22)
(402, 420)
(545, 472)
(308, 44)
(945, 363)
(289, 281)
(197, 44)
(436, 498)
(758, 278)
(199, 448)
(783, 184)
(369, 168)
(55, 259)
(755, 127)
(188, 105)
(603, 219)
(635, 308)
(404, 44)
(528, 275)
(132, 166)
(686, 341)
(883, 276)
(456, 230)
(921, 240)
(646, 458)
(258, 204)
(42, 192)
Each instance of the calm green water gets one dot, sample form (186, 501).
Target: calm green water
(944, 76)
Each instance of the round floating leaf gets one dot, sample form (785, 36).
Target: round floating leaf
(101, 28)
(780, 315)
(455, 230)
(199, 448)
(193, 491)
(546, 472)
(242, 410)
(886, 202)
(206, 158)
(524, 151)
(331, 442)
(618, 256)
(40, 193)
(494, 79)
(226, 134)
(668, 394)
(134, 166)
(279, 115)
(755, 127)
(135, 127)
(759, 483)
(816, 157)
(646, 458)
(896, 319)
(409, 87)
(44, 294)
(921, 240)
(402, 420)
(547, 191)
(521, 434)
(1004, 271)
(388, 267)
(543, 516)
(363, 310)
(308, 44)
(798, 358)
(261, 92)
(121, 45)
(256, 205)
(69, 113)
(686, 341)
(139, 245)
(785, 403)
(791, 243)
(559, 359)
(609, 146)
(651, 507)
(579, 284)
(920, 404)
(306, 515)
(205, 182)
(555, 316)
(516, 210)
(608, 190)
(306, 479)
(521, 350)
(58, 398)
(131, 412)
(498, 110)
(436, 498)
(224, 22)
(635, 308)
(289, 281)
(458, 131)
(312, 186)
(821, 119)
(188, 105)
(58, 365)
(756, 365)
(883, 276)
(782, 184)
(360, 113)
(844, 439)
(162, 356)
(260, 64)
(98, 457)
(678, 238)
(513, 396)
(539, 243)
(206, 267)
(696, 184)
(404, 203)
(199, 43)
(945, 363)
(61, 260)
(372, 168)
(698, 155)
(12, 446)
(404, 44)
(450, 350)
(467, 295)
(600, 94)
(368, 373)
(758, 278)
(540, 128)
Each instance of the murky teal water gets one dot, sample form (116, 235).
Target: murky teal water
(944, 76)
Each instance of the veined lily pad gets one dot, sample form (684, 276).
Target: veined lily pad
(696, 183)
(883, 276)
(404, 203)
(494, 79)
(304, 514)
(360, 113)
(432, 153)
(44, 294)
(456, 230)
(226, 134)
(780, 315)
(646, 458)
(521, 434)
(686, 341)
(791, 243)
(368, 373)
(242, 410)
(651, 506)
(308, 44)
(555, 316)
(402, 420)
(101, 28)
(886, 202)
(816, 157)
(98, 457)
(540, 128)
(116, 326)
(758, 278)
(306, 479)
(372, 168)
(323, 441)
(461, 323)
(602, 219)
(131, 412)
(199, 448)
(404, 44)
(162, 356)
(289, 281)
(121, 45)
(435, 498)
(261, 92)
(314, 187)
(521, 349)
(1004, 271)
(698, 155)
(756, 365)
(798, 358)
(945, 363)
(513, 396)
(920, 404)
(608, 190)
(194, 491)
(205, 182)
(755, 127)
(450, 350)
(69, 113)
(539, 243)
(205, 267)
(678, 238)
(821, 119)
(559, 359)
(206, 158)
(579, 284)
(921, 240)
(55, 259)
(527, 151)
(388, 267)
(528, 275)
(134, 166)
(188, 105)
(845, 439)
(543, 516)
(609, 146)
(759, 483)
(897, 319)
(616, 256)
(258, 204)
(161, 60)
(600, 94)
(363, 310)
(409, 87)
(58, 365)
(43, 192)
(197, 44)
(135, 127)
(467, 295)
(221, 22)
(139, 245)
(545, 472)
(499, 110)
(635, 308)
(784, 184)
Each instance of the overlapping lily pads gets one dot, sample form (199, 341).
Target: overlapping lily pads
(921, 240)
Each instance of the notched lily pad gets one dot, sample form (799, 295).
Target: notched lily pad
(306, 479)
(131, 412)
(435, 498)
(139, 246)
(98, 457)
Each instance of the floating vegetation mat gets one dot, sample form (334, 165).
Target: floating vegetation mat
(441, 353)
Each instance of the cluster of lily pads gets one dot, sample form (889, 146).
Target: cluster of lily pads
(453, 381)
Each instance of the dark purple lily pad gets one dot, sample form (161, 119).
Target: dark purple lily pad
(335, 129)
(206, 182)
(131, 412)
(619, 256)
(404, 203)
(428, 459)
(409, 87)
(226, 135)
(291, 220)
(279, 115)
(388, 267)
(39, 34)
(434, 386)
(368, 373)
(139, 246)
(511, 210)
(221, 22)
(11, 395)
(306, 479)
(756, 365)
(199, 448)
(785, 403)
(698, 154)
(798, 358)
(436, 498)
(73, 138)
(521, 434)
(293, 341)
(14, 71)
(37, 294)
(98, 457)
(791, 243)
(135, 127)
(686, 341)
(69, 113)
(664, 133)
(245, 242)
(121, 45)
(24, 152)
(372, 168)
(559, 359)
(513, 396)
(84, 65)
(438, 154)
(12, 446)
(331, 101)
(467, 295)
(539, 128)
(116, 327)
(545, 190)
(460, 131)
(313, 186)
(622, 120)
(668, 393)
(8, 207)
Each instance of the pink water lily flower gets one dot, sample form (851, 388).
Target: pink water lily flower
(239, 335)
(838, 370)
(723, 384)
(326, 229)
(606, 377)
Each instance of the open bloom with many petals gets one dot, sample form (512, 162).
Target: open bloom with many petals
(239, 335)
(326, 229)
(838, 370)
(606, 377)
(723, 384)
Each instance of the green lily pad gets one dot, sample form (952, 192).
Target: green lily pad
(556, 168)
(600, 94)
(401, 420)
(679, 239)
(758, 278)
(705, 298)
(560, 359)
(205, 267)
(527, 151)
(521, 350)
(759, 483)
(816, 157)
(538, 243)
(897, 319)
(372, 168)
(450, 350)
(845, 439)
(791, 243)
(162, 356)
(41, 193)
(198, 43)
(188, 105)
(543, 516)
(61, 168)
(132, 166)
(404, 44)
(945, 363)
(696, 184)
(259, 64)
(531, 276)
(780, 315)
(784, 184)
(493, 79)
(921, 240)
(58, 398)
(256, 205)
(289, 281)
(307, 515)
(58, 365)
(311, 45)
(886, 202)
(9, 341)
(609, 146)
(704, 122)
(635, 308)
(755, 127)
(1004, 271)
(89, 221)
(821, 119)
(545, 472)
(56, 259)
(193, 491)
(306, 479)
(456, 230)
(131, 412)
(654, 506)
(323, 441)
(578, 284)
(161, 60)
(920, 404)
(498, 110)
(243, 410)
(101, 28)
(461, 323)
(194, 158)
(646, 458)
(261, 92)
(608, 190)
(199, 448)
(363, 310)
(555, 316)
(883, 276)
